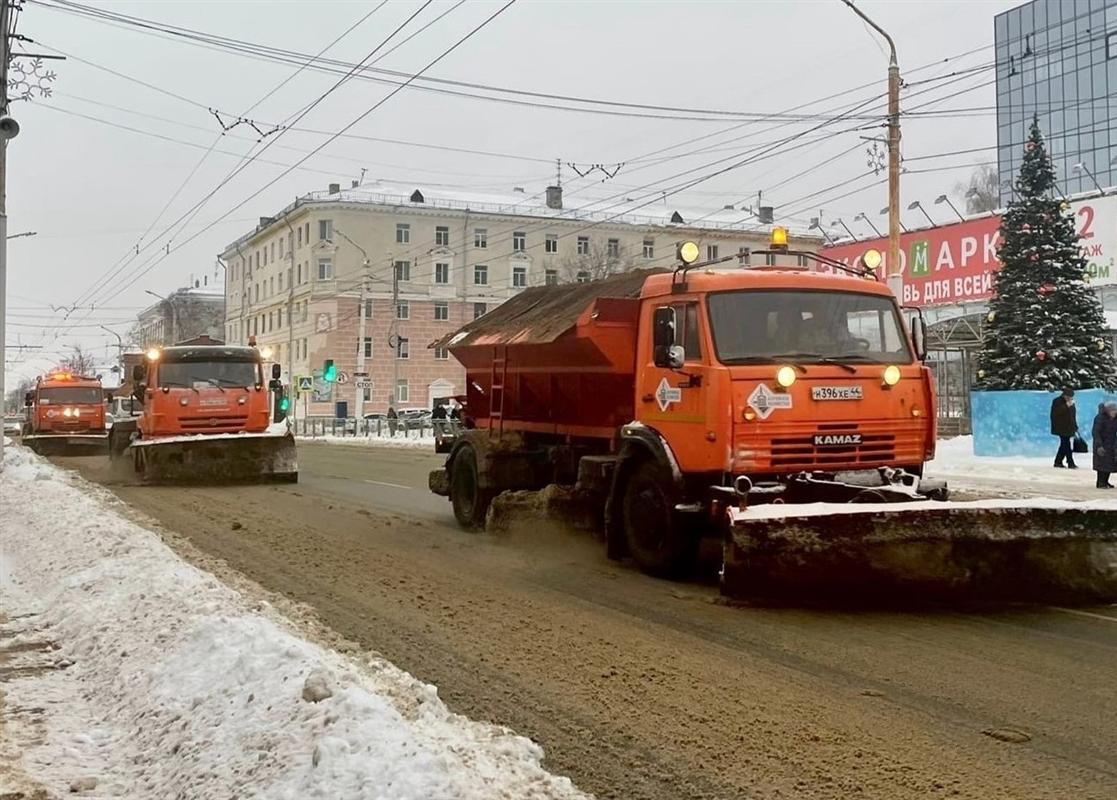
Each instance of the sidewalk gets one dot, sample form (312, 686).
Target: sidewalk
(132, 674)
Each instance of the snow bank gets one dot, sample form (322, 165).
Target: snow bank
(955, 459)
(167, 683)
(423, 442)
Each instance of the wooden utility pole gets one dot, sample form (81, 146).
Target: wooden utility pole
(5, 12)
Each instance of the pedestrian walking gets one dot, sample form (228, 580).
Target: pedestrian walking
(1105, 443)
(1064, 424)
(393, 421)
(438, 419)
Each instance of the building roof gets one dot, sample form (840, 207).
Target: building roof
(630, 211)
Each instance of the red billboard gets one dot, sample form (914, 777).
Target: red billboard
(955, 263)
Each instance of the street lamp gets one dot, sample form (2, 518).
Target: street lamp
(895, 280)
(119, 349)
(815, 225)
(865, 218)
(1081, 167)
(903, 227)
(25, 233)
(942, 198)
(916, 204)
(842, 223)
(359, 392)
(174, 314)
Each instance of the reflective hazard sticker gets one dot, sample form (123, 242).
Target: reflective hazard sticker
(764, 401)
(666, 394)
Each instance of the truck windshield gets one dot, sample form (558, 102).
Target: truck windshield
(69, 395)
(200, 374)
(805, 326)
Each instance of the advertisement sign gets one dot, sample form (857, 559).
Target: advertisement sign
(955, 263)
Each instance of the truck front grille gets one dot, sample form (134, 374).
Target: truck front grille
(211, 424)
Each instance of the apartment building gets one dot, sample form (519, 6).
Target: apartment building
(186, 313)
(409, 265)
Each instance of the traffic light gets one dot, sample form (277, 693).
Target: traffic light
(281, 405)
(329, 371)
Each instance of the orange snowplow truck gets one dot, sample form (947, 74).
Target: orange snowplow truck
(65, 415)
(206, 419)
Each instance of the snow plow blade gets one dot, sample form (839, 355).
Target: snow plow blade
(243, 458)
(60, 444)
(1017, 551)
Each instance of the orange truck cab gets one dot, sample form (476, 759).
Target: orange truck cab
(668, 397)
(65, 413)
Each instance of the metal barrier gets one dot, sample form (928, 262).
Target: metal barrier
(316, 427)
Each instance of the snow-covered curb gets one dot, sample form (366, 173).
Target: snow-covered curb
(167, 683)
(422, 442)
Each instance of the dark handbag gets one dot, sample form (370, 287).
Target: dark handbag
(1080, 445)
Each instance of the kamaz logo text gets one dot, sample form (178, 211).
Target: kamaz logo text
(836, 439)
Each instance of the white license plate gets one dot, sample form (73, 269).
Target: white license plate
(836, 393)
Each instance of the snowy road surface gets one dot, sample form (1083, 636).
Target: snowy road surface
(129, 673)
(643, 689)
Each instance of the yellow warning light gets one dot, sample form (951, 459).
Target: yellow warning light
(687, 252)
(153, 354)
(785, 376)
(872, 259)
(779, 239)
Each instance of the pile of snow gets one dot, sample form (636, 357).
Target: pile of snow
(954, 459)
(167, 683)
(423, 442)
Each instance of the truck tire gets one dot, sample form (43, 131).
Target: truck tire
(655, 539)
(470, 501)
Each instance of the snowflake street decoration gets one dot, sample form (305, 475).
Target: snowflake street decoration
(26, 81)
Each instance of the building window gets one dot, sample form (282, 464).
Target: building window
(519, 242)
(256, 290)
(403, 271)
(325, 269)
(479, 310)
(441, 310)
(325, 230)
(279, 318)
(583, 276)
(403, 309)
(441, 353)
(304, 348)
(273, 251)
(281, 281)
(550, 277)
(550, 243)
(480, 238)
(613, 248)
(480, 275)
(649, 248)
(366, 394)
(307, 228)
(368, 347)
(770, 259)
(583, 245)
(519, 277)
(403, 233)
(441, 273)
(1111, 47)
(403, 395)
(803, 261)
(281, 248)
(368, 309)
(271, 283)
(299, 270)
(403, 349)
(306, 312)
(711, 252)
(300, 235)
(270, 321)
(442, 236)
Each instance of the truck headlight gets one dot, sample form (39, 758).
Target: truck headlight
(66, 412)
(785, 376)
(891, 375)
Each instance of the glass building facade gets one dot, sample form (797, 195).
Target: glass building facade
(1058, 59)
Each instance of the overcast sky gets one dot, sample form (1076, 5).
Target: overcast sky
(91, 190)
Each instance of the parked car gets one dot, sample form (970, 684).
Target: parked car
(13, 425)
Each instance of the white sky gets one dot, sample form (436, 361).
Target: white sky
(90, 190)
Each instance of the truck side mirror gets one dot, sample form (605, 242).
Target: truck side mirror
(663, 337)
(276, 371)
(919, 337)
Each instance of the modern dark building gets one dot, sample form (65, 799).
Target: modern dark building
(1058, 59)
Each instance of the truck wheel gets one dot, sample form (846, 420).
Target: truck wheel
(653, 534)
(469, 500)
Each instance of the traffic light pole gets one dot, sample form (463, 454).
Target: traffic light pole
(361, 320)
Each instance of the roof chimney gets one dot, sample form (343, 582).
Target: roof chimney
(554, 197)
(335, 188)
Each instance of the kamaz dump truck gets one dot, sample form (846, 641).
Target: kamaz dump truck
(206, 418)
(66, 415)
(682, 404)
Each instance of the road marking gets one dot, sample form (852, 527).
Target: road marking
(400, 486)
(1084, 613)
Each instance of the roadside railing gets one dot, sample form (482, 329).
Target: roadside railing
(317, 427)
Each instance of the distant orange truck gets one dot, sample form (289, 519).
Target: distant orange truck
(66, 414)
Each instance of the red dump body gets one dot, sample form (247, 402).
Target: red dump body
(565, 365)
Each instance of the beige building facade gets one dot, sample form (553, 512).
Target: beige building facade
(371, 275)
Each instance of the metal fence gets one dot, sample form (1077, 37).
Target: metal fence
(316, 427)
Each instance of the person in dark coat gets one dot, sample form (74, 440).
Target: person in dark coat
(393, 420)
(1105, 443)
(1064, 424)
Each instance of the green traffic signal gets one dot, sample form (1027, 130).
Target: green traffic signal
(329, 372)
(284, 404)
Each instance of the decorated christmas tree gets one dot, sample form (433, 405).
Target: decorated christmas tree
(1045, 326)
